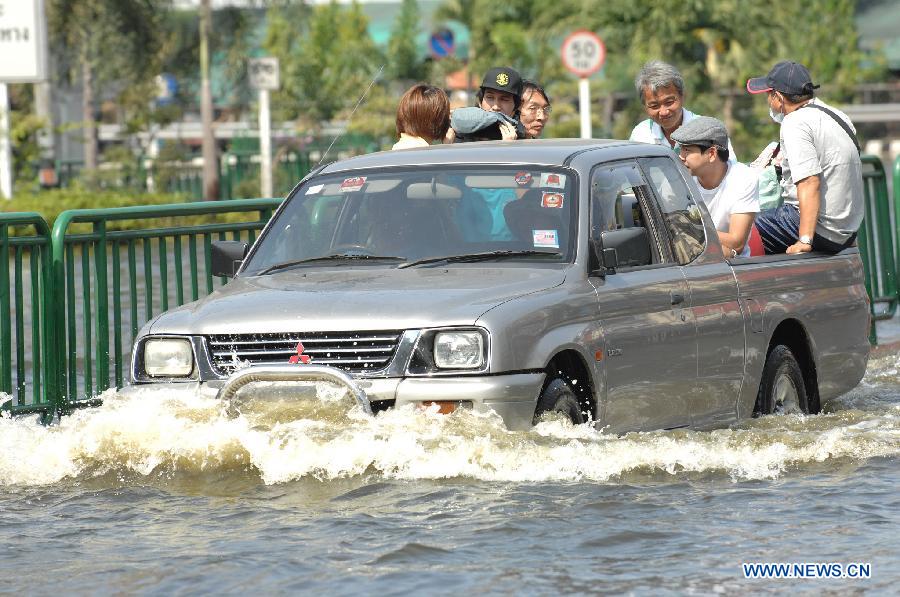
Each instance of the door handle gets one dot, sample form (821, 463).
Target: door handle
(677, 298)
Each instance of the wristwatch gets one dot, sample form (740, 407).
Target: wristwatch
(806, 240)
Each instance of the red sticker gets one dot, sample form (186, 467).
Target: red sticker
(353, 184)
(549, 199)
(554, 180)
(523, 178)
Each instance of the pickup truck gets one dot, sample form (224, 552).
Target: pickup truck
(581, 277)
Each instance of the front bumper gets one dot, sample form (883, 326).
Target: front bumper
(512, 396)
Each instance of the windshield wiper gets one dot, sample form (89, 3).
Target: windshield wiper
(487, 256)
(335, 257)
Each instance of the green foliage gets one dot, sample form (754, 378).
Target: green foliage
(50, 203)
(121, 39)
(325, 67)
(24, 128)
(717, 45)
(403, 58)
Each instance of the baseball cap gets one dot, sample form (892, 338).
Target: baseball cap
(503, 78)
(702, 130)
(787, 77)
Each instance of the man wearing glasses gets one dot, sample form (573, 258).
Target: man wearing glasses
(535, 110)
(729, 190)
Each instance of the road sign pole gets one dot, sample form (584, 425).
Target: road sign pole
(265, 145)
(5, 148)
(584, 106)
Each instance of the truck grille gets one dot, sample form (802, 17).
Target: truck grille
(351, 351)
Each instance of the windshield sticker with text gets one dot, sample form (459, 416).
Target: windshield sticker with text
(545, 238)
(353, 184)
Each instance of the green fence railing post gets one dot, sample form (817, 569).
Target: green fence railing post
(102, 302)
(877, 242)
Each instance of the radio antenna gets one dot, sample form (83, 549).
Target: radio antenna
(350, 118)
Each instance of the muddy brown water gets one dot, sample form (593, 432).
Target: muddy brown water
(169, 495)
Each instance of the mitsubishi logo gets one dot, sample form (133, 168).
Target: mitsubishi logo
(300, 357)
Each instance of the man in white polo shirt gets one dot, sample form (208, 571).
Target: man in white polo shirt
(729, 190)
(821, 173)
(660, 88)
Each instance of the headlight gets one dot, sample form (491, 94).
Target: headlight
(458, 350)
(168, 357)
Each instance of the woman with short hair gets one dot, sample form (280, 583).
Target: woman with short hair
(423, 116)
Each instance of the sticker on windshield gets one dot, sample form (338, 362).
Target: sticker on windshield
(553, 180)
(353, 184)
(545, 238)
(550, 199)
(315, 189)
(523, 179)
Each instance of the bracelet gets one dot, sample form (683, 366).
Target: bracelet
(733, 252)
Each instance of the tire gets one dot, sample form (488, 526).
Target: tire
(558, 396)
(782, 389)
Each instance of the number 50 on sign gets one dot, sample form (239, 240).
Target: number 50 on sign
(583, 53)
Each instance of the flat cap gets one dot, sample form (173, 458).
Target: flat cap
(702, 130)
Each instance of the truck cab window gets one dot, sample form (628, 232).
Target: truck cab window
(682, 216)
(619, 196)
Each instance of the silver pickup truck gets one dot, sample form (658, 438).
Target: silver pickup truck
(582, 277)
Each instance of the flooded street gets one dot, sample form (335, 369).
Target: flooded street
(168, 494)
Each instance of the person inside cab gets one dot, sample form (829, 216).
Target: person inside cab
(729, 190)
(660, 88)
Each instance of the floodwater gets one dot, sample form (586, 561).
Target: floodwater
(170, 494)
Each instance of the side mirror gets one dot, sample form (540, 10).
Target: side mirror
(626, 247)
(227, 256)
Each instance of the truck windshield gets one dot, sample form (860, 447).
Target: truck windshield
(420, 217)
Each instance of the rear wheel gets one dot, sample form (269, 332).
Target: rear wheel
(781, 390)
(558, 396)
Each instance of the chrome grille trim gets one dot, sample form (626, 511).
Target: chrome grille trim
(358, 352)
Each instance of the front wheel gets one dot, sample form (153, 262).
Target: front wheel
(781, 390)
(558, 396)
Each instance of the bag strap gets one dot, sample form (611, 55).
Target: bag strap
(840, 121)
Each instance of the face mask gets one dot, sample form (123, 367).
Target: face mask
(778, 117)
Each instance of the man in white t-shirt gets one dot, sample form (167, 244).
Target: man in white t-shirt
(660, 88)
(821, 172)
(729, 190)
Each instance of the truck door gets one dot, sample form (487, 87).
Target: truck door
(650, 354)
(713, 297)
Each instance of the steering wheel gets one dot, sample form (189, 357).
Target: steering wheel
(353, 248)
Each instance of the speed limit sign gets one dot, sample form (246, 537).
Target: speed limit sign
(583, 53)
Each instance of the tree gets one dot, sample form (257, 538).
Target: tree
(325, 68)
(403, 52)
(113, 42)
(210, 155)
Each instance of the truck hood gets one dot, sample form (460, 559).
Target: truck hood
(356, 298)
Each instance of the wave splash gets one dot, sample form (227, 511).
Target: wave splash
(146, 433)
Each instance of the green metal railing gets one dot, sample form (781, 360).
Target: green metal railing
(878, 242)
(92, 284)
(24, 312)
(119, 279)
